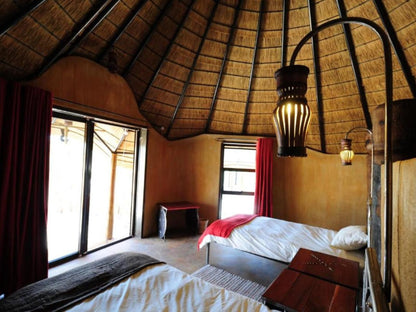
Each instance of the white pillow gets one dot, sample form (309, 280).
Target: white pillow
(350, 238)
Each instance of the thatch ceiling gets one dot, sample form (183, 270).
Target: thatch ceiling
(205, 66)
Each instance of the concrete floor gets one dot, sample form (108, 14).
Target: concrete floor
(180, 252)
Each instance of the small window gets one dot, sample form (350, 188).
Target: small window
(238, 179)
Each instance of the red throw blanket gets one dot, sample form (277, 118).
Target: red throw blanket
(224, 227)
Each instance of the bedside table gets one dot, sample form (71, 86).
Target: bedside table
(297, 291)
(330, 268)
(315, 282)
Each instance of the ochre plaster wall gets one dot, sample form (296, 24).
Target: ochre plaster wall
(82, 85)
(314, 190)
(318, 190)
(186, 169)
(404, 236)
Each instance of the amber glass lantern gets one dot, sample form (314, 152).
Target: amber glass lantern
(292, 114)
(346, 154)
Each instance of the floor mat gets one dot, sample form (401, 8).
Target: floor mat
(230, 281)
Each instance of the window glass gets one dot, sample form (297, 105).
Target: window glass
(111, 185)
(66, 167)
(237, 204)
(239, 157)
(238, 180)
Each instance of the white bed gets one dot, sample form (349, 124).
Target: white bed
(280, 240)
(164, 288)
(126, 282)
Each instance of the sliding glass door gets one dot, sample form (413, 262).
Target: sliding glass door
(110, 212)
(91, 189)
(66, 170)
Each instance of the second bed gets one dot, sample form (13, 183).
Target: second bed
(261, 247)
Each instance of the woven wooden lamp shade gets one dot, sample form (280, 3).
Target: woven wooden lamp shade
(292, 114)
(207, 66)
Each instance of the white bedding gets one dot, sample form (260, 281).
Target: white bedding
(164, 288)
(281, 240)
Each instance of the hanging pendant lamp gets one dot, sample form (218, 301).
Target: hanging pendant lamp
(346, 154)
(292, 115)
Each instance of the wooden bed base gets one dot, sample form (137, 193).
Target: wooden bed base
(245, 264)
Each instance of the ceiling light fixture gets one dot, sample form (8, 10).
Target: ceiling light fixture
(292, 114)
(346, 154)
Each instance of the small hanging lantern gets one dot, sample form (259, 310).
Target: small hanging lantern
(346, 154)
(292, 115)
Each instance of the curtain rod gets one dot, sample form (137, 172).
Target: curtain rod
(231, 140)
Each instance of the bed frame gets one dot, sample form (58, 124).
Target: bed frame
(374, 297)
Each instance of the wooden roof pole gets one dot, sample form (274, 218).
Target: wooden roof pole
(146, 40)
(90, 28)
(165, 55)
(21, 15)
(121, 30)
(224, 60)
(354, 64)
(318, 83)
(259, 22)
(185, 87)
(397, 47)
(65, 44)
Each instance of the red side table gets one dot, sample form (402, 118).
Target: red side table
(191, 216)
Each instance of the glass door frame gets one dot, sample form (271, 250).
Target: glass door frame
(86, 181)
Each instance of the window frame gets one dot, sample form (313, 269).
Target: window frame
(224, 145)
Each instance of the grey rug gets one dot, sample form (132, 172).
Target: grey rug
(230, 281)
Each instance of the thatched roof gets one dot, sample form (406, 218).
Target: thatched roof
(205, 66)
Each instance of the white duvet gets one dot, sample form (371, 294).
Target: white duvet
(164, 288)
(281, 240)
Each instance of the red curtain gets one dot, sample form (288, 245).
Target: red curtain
(25, 119)
(264, 177)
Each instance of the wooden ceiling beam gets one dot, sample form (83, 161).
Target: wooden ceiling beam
(4, 28)
(354, 63)
(398, 49)
(139, 51)
(253, 63)
(128, 20)
(191, 71)
(91, 26)
(224, 60)
(66, 43)
(285, 21)
(318, 81)
(165, 55)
